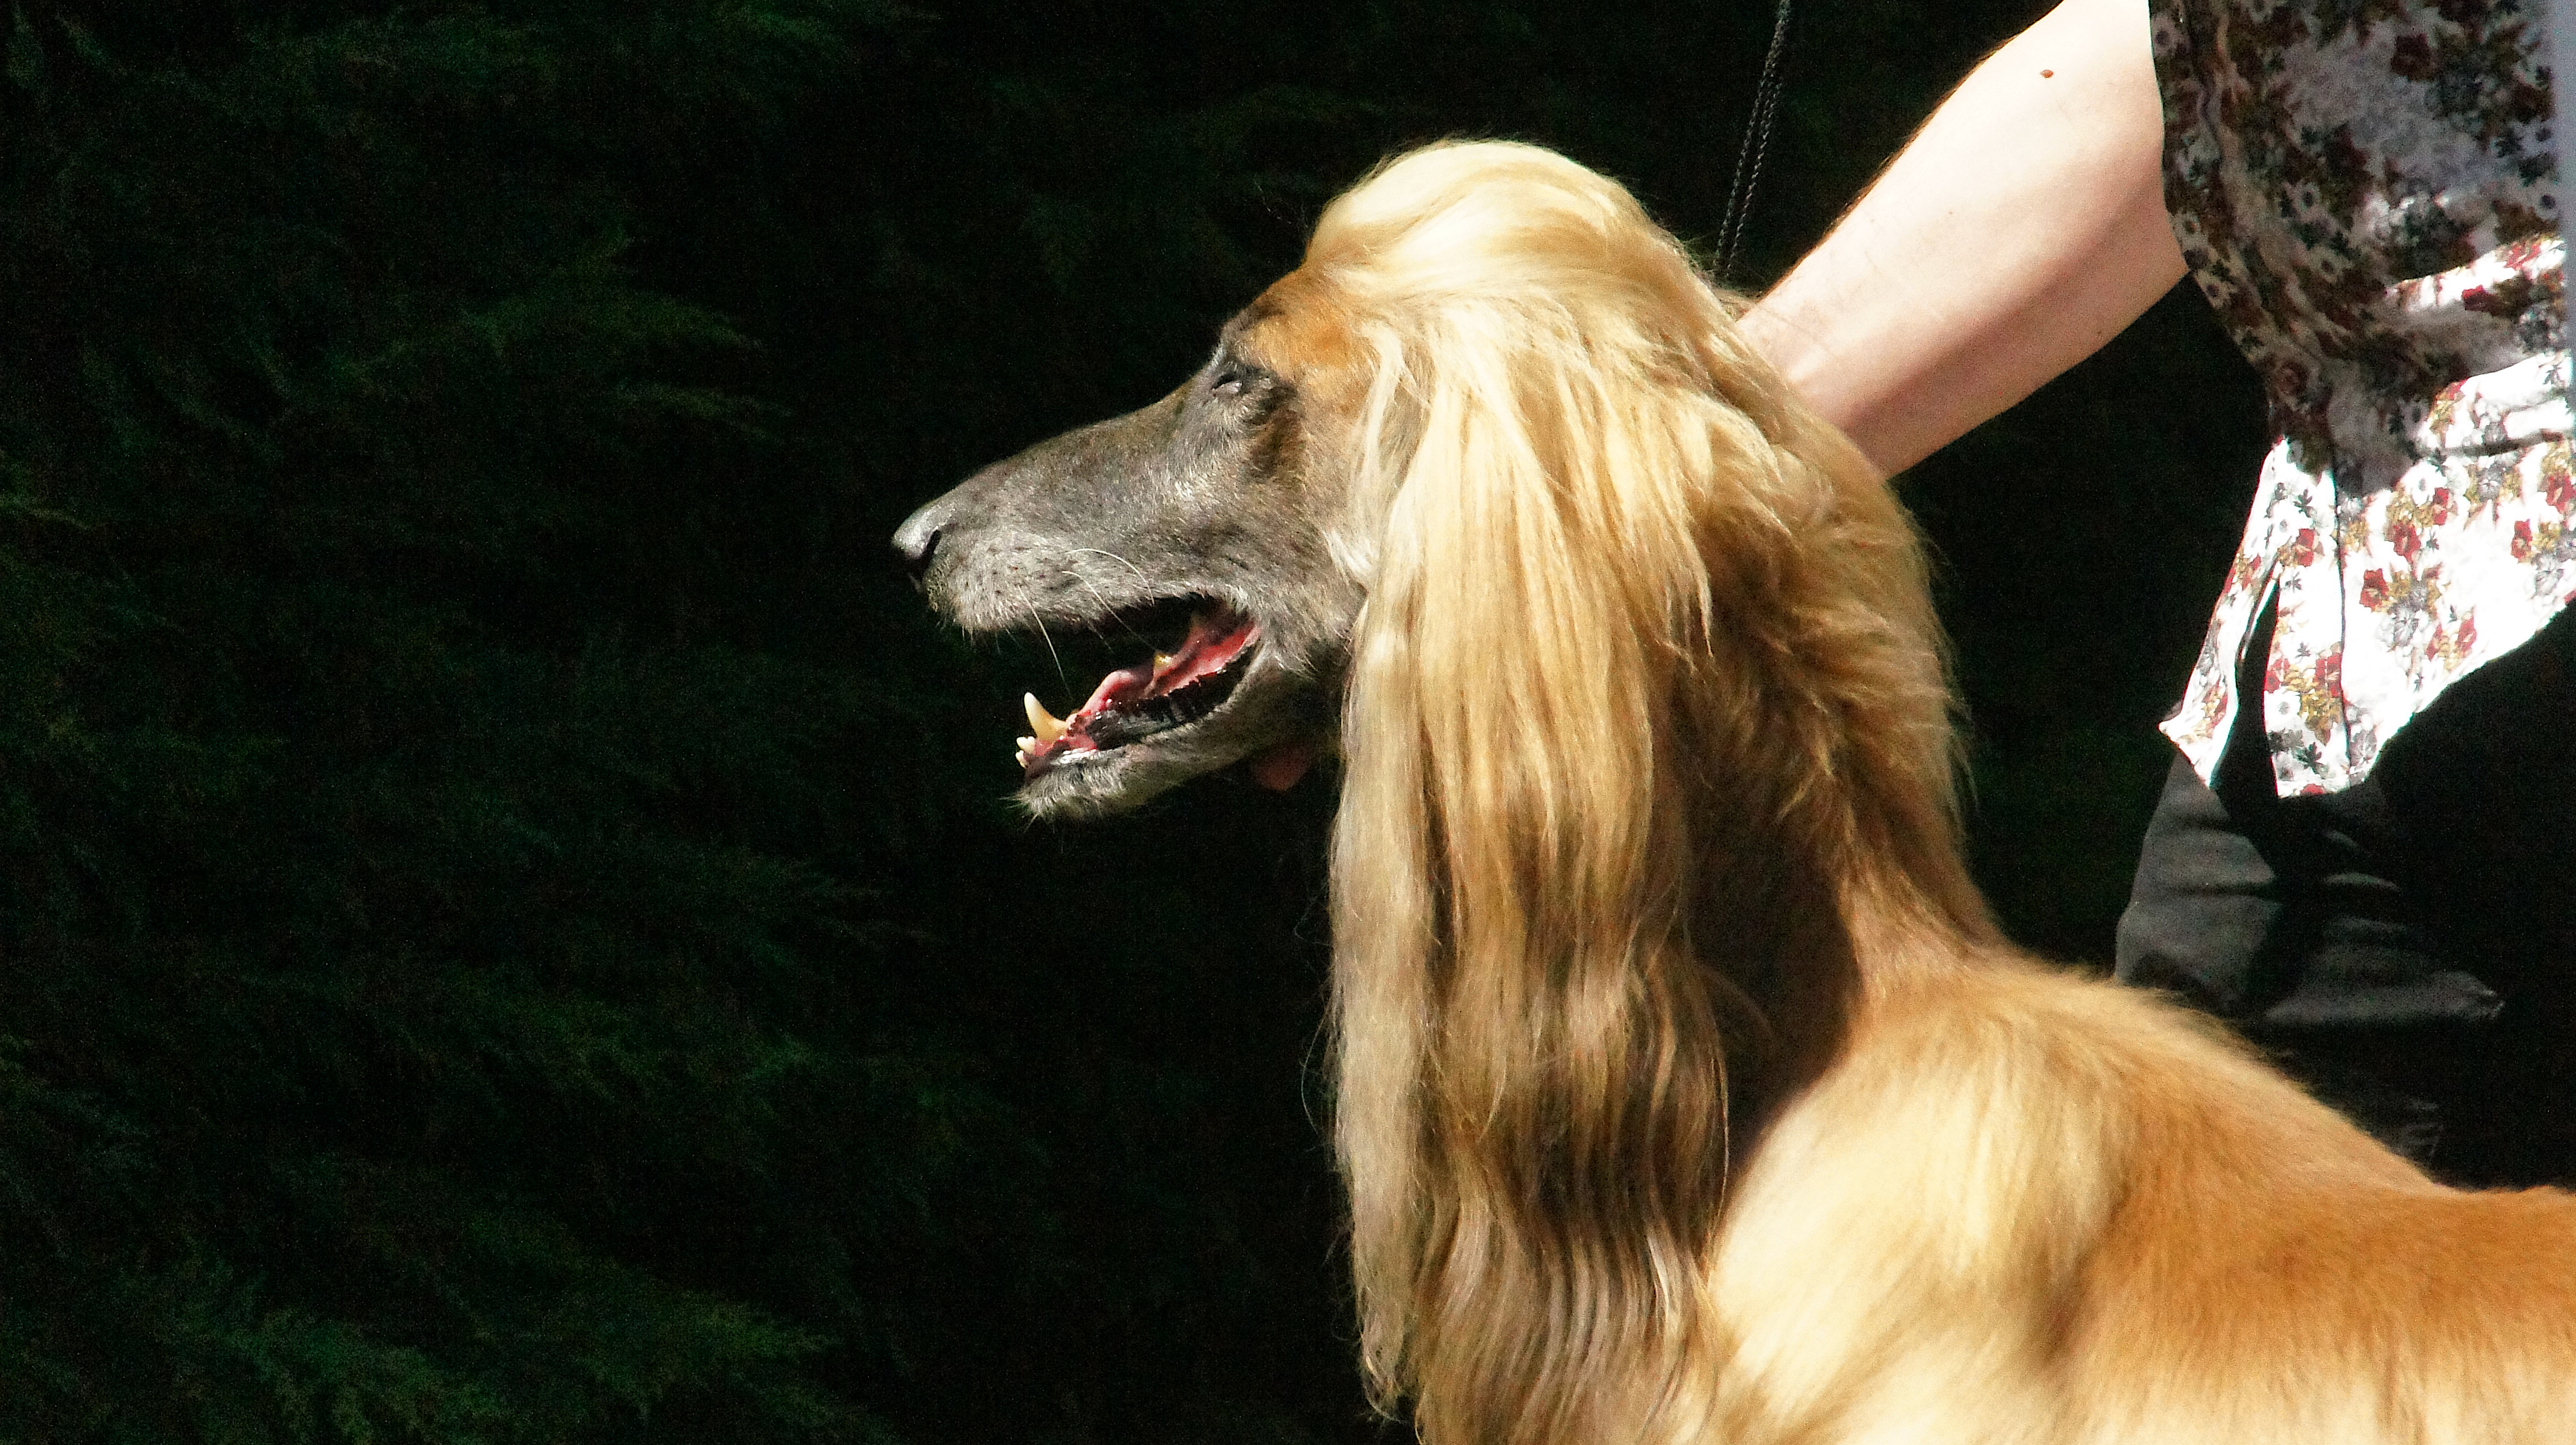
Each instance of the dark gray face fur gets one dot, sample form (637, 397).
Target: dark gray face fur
(1212, 494)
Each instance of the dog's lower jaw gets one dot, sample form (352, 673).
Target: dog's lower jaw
(1117, 780)
(1096, 785)
(1271, 712)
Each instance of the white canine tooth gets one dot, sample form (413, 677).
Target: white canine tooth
(1028, 745)
(1045, 724)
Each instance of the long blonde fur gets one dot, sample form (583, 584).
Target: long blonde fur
(1685, 1092)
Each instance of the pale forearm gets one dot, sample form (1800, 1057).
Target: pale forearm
(2020, 230)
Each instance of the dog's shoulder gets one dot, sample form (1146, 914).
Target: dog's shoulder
(1979, 1184)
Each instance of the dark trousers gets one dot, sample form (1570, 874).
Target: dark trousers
(2407, 946)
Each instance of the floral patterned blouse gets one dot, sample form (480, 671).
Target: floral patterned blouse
(2365, 191)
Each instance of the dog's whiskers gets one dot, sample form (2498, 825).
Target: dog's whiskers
(1114, 557)
(1040, 619)
(1107, 609)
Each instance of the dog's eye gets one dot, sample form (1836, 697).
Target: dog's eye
(1229, 382)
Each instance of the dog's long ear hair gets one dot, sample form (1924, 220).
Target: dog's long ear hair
(1646, 698)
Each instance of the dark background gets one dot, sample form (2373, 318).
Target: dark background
(509, 926)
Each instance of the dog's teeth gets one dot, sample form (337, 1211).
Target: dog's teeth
(1022, 751)
(1162, 662)
(1043, 723)
(1028, 745)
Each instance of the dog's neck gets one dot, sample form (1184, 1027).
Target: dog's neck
(1822, 913)
(1903, 931)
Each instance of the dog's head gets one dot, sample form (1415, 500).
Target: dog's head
(1201, 535)
(1228, 534)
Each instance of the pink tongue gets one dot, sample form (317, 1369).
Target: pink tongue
(1213, 642)
(1117, 687)
(1279, 768)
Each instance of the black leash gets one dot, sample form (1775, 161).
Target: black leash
(1757, 144)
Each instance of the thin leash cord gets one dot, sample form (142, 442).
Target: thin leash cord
(1757, 145)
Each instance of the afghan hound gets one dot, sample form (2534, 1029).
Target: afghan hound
(1685, 1091)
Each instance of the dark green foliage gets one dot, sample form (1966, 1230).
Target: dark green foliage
(407, 931)
(508, 930)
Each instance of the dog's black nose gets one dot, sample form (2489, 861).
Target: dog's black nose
(918, 539)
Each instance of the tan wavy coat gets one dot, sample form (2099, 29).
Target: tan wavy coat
(1686, 1093)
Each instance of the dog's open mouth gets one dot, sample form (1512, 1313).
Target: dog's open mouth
(1178, 686)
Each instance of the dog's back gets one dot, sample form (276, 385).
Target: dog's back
(2026, 1206)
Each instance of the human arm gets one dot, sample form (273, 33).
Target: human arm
(2023, 227)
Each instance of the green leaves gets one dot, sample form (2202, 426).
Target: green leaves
(389, 940)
